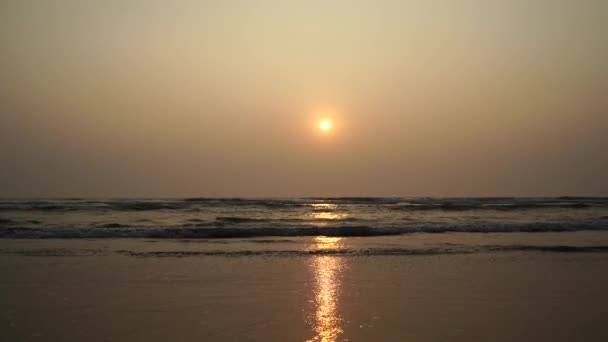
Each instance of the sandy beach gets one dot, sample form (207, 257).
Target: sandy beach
(305, 289)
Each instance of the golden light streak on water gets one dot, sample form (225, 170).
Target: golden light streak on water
(324, 206)
(325, 211)
(327, 269)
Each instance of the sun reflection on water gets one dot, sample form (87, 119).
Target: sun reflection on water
(324, 206)
(327, 269)
(329, 216)
(326, 212)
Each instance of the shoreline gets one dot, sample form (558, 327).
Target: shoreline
(74, 290)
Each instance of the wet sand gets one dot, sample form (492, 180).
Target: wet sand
(67, 290)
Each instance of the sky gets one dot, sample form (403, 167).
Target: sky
(150, 98)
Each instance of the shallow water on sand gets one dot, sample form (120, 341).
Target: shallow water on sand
(421, 287)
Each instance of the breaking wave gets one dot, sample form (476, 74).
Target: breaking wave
(376, 251)
(342, 216)
(119, 231)
(451, 249)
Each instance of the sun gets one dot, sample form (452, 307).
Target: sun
(325, 125)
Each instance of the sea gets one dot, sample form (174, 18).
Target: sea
(304, 269)
(215, 218)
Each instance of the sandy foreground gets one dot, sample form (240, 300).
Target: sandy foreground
(301, 289)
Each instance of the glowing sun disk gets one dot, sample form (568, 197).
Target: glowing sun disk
(325, 125)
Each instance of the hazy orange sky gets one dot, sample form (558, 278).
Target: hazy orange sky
(128, 98)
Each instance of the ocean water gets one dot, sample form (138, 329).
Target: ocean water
(304, 269)
(292, 217)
